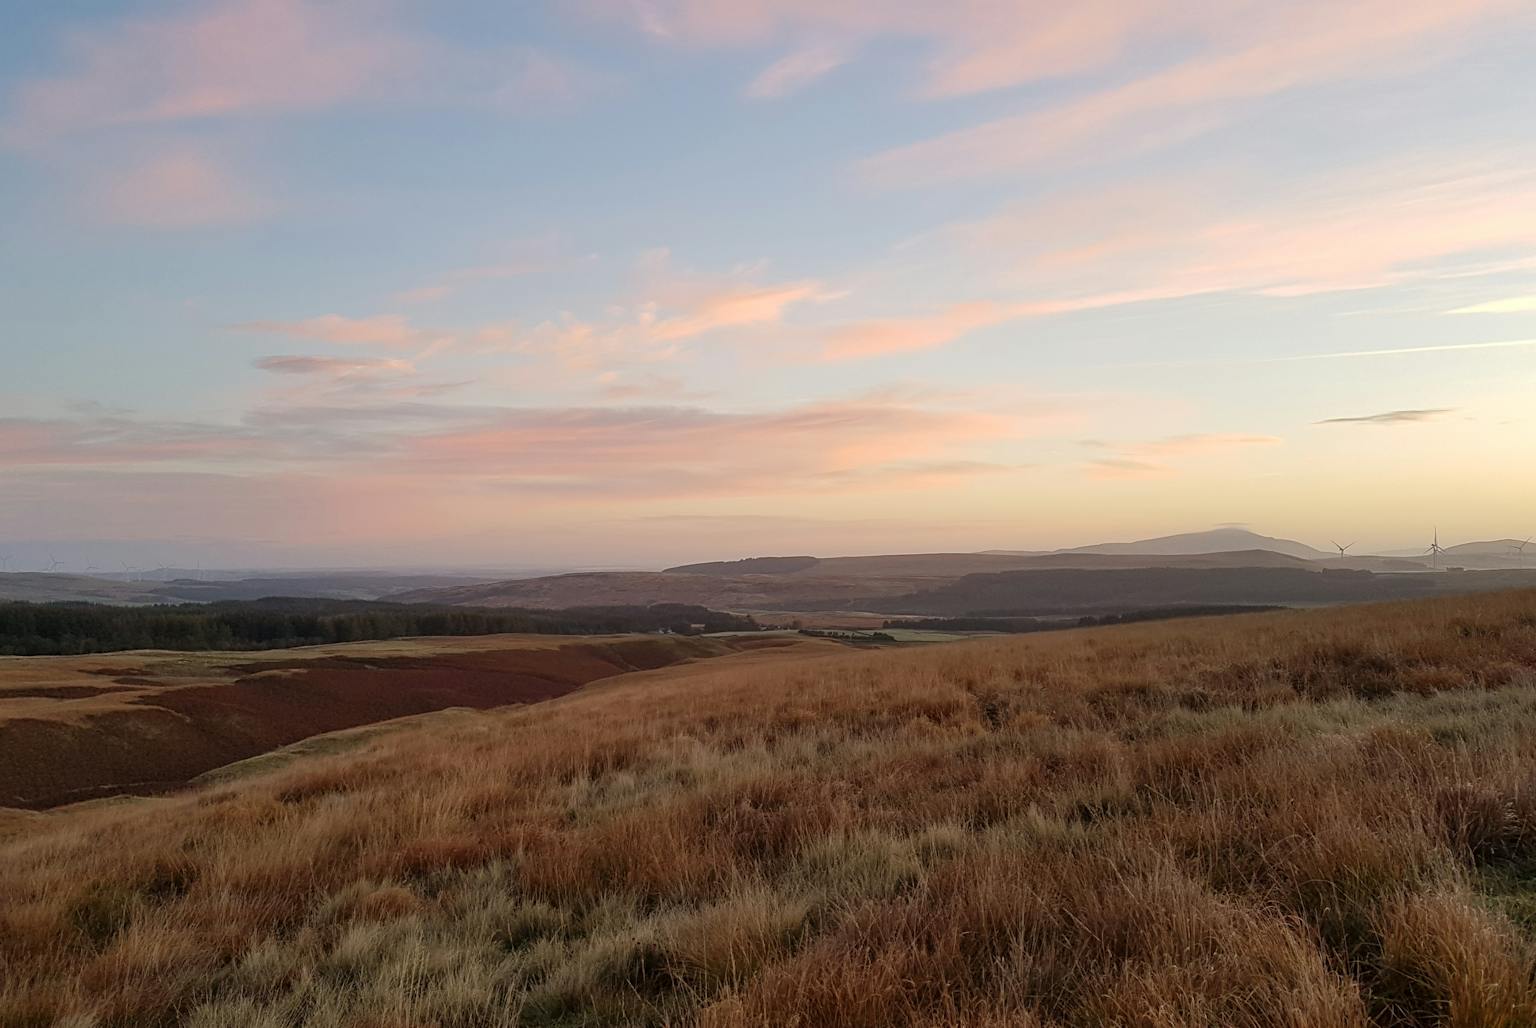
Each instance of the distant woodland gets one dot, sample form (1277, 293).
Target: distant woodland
(30, 629)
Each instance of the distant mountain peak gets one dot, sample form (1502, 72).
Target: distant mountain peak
(1216, 540)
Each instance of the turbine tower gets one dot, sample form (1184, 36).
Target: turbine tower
(1341, 549)
(1435, 549)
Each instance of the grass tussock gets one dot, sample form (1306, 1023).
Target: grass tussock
(1299, 819)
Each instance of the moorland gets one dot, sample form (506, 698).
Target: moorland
(1301, 818)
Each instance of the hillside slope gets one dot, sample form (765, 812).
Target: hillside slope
(801, 583)
(1299, 819)
(138, 722)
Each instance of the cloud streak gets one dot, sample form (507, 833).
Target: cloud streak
(1509, 305)
(1224, 232)
(1392, 417)
(795, 71)
(588, 453)
(1270, 50)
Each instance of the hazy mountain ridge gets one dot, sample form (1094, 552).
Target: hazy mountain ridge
(773, 583)
(1216, 540)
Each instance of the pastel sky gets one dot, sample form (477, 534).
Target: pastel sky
(598, 282)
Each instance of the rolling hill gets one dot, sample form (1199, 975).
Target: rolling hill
(49, 587)
(805, 583)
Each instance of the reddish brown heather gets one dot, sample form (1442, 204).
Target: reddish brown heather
(1305, 819)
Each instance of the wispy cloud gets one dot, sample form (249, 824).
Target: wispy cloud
(1262, 52)
(1502, 344)
(242, 59)
(387, 330)
(1392, 417)
(883, 336)
(796, 70)
(152, 83)
(980, 44)
(1509, 305)
(667, 311)
(179, 189)
(596, 453)
(238, 57)
(1224, 231)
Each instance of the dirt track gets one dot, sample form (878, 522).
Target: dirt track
(132, 729)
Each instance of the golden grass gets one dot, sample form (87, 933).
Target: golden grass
(1305, 819)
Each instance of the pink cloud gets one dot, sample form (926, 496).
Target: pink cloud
(879, 337)
(980, 44)
(669, 309)
(1214, 233)
(1274, 49)
(697, 452)
(180, 189)
(388, 330)
(595, 453)
(237, 57)
(734, 306)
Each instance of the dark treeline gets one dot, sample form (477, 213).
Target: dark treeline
(848, 633)
(1020, 625)
(28, 629)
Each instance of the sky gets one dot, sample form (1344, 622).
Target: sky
(637, 282)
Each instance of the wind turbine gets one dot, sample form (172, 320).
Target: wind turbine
(128, 573)
(1341, 549)
(1519, 549)
(54, 564)
(1435, 549)
(5, 562)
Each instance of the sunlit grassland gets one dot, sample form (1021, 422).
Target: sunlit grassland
(1306, 818)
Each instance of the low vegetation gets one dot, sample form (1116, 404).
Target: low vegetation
(32, 629)
(1302, 818)
(1019, 625)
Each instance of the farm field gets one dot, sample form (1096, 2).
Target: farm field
(1302, 818)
